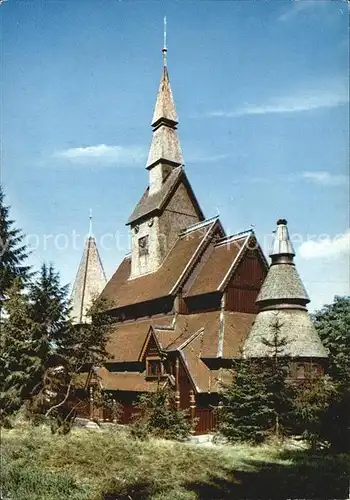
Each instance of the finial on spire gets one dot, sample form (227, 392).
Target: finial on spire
(90, 222)
(164, 50)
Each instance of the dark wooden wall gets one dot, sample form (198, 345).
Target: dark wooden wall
(243, 289)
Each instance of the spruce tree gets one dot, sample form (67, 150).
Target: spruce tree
(332, 323)
(13, 251)
(275, 370)
(245, 413)
(18, 362)
(313, 398)
(65, 350)
(49, 311)
(158, 417)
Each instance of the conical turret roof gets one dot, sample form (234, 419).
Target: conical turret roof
(282, 285)
(89, 282)
(282, 308)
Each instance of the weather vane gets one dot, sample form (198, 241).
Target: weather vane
(164, 50)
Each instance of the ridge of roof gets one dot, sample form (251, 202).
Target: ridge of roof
(189, 340)
(234, 237)
(211, 223)
(198, 225)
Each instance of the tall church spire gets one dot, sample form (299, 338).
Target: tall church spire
(165, 152)
(90, 279)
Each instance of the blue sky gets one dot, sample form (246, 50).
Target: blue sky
(262, 97)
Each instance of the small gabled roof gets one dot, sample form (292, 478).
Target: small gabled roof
(221, 263)
(127, 339)
(218, 265)
(89, 282)
(158, 201)
(122, 291)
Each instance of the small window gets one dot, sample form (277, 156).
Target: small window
(154, 368)
(143, 245)
(300, 372)
(316, 370)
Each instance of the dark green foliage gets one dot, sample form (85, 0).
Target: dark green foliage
(333, 326)
(245, 412)
(18, 360)
(311, 402)
(64, 349)
(258, 401)
(275, 370)
(157, 416)
(13, 252)
(49, 310)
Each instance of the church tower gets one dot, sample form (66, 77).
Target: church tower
(90, 280)
(168, 204)
(282, 301)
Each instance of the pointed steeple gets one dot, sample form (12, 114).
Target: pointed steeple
(282, 303)
(90, 279)
(165, 107)
(165, 152)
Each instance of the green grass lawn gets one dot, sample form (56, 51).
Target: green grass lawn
(109, 465)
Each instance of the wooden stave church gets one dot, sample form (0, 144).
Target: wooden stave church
(185, 300)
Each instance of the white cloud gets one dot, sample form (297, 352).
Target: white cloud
(300, 6)
(326, 247)
(325, 178)
(321, 178)
(300, 102)
(118, 155)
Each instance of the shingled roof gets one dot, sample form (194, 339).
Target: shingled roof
(122, 291)
(124, 381)
(158, 200)
(219, 264)
(282, 282)
(89, 282)
(295, 326)
(165, 107)
(209, 335)
(282, 302)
